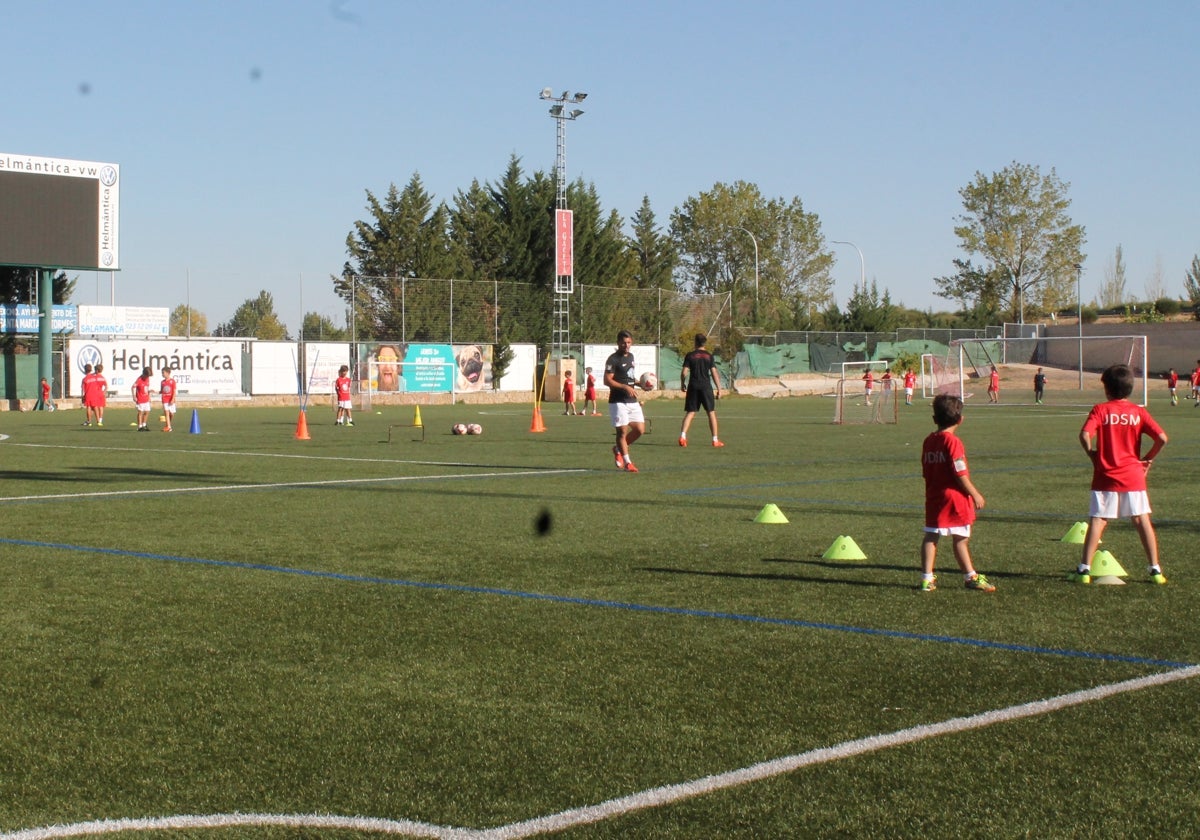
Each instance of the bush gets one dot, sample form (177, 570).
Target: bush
(1089, 314)
(1168, 306)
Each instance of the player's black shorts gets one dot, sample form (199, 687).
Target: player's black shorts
(695, 400)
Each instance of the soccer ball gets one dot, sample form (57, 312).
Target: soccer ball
(649, 381)
(474, 429)
(459, 429)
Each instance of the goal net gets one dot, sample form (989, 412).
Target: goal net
(853, 406)
(1071, 365)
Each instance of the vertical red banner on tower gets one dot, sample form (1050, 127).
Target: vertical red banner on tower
(564, 243)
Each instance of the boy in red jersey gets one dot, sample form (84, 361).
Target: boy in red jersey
(99, 394)
(1172, 385)
(994, 386)
(950, 498)
(166, 390)
(568, 393)
(341, 392)
(1112, 437)
(910, 382)
(141, 399)
(589, 393)
(868, 385)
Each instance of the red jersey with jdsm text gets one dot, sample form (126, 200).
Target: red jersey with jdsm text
(943, 460)
(342, 387)
(1118, 426)
(167, 389)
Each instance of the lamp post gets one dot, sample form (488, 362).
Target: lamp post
(564, 271)
(861, 261)
(1079, 312)
(753, 239)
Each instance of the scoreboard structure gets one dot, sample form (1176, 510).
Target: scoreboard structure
(58, 213)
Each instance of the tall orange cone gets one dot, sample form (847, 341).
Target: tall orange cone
(302, 427)
(537, 425)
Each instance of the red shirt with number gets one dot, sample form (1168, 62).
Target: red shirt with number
(943, 460)
(1118, 426)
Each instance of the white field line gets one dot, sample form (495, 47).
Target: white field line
(654, 797)
(283, 484)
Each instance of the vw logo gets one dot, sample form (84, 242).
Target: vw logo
(108, 175)
(89, 354)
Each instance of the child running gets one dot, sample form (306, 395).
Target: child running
(1111, 436)
(950, 498)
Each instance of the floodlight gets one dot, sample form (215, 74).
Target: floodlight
(579, 97)
(576, 113)
(556, 110)
(566, 93)
(547, 93)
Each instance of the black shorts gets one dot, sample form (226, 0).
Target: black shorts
(695, 400)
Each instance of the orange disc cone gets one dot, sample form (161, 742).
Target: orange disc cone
(537, 425)
(302, 427)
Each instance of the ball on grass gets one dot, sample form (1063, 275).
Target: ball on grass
(543, 523)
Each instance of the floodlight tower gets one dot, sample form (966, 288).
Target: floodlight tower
(564, 236)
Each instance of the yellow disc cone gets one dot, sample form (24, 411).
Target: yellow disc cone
(844, 548)
(1075, 533)
(771, 515)
(1104, 565)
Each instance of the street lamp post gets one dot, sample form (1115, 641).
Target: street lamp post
(564, 270)
(1079, 312)
(861, 261)
(753, 239)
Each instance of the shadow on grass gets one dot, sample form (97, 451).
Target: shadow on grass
(775, 576)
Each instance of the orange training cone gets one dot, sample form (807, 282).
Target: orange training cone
(537, 425)
(302, 427)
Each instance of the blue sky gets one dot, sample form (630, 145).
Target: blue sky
(247, 133)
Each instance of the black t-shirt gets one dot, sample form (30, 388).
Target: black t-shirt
(620, 365)
(699, 364)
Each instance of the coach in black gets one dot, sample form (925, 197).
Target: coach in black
(623, 407)
(697, 380)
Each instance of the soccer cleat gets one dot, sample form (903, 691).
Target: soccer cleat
(1158, 578)
(980, 584)
(683, 441)
(1079, 577)
(928, 585)
(620, 459)
(717, 444)
(629, 467)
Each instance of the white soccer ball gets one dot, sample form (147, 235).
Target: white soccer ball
(474, 429)
(459, 429)
(649, 381)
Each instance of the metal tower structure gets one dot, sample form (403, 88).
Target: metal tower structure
(564, 270)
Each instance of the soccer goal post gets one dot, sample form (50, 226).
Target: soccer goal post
(854, 405)
(1071, 364)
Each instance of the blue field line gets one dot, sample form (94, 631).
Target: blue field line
(614, 605)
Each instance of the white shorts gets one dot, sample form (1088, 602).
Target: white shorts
(1114, 504)
(622, 414)
(908, 392)
(345, 403)
(957, 531)
(168, 408)
(144, 406)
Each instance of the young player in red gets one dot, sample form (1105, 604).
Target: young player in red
(1112, 436)
(568, 393)
(1172, 385)
(85, 386)
(141, 399)
(99, 394)
(341, 393)
(868, 384)
(166, 390)
(950, 498)
(910, 382)
(994, 386)
(589, 393)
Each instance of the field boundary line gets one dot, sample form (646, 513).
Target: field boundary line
(613, 808)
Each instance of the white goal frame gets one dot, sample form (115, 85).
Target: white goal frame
(1086, 355)
(850, 405)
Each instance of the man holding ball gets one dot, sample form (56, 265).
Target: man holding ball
(623, 407)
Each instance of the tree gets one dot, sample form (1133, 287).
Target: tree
(654, 253)
(978, 290)
(317, 327)
(1156, 286)
(19, 284)
(187, 321)
(1017, 221)
(255, 318)
(716, 235)
(1112, 293)
(1191, 284)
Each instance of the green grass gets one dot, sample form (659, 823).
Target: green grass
(238, 621)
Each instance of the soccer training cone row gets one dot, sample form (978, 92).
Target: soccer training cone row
(771, 515)
(537, 425)
(844, 548)
(1106, 569)
(417, 417)
(1075, 534)
(302, 427)
(195, 430)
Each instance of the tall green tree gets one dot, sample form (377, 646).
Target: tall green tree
(20, 285)
(654, 253)
(255, 318)
(1191, 284)
(1112, 290)
(1016, 220)
(187, 321)
(318, 327)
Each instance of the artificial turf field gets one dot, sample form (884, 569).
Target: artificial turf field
(240, 634)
